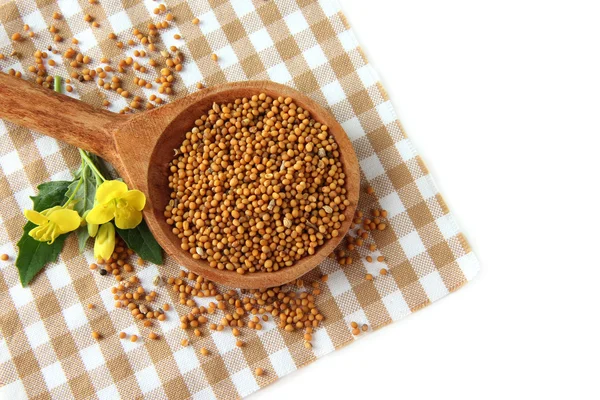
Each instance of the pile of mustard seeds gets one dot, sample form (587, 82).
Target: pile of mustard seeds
(256, 185)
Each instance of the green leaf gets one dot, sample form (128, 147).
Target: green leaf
(50, 194)
(140, 240)
(33, 255)
(82, 237)
(83, 192)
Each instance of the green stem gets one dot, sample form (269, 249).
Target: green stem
(88, 161)
(70, 199)
(57, 87)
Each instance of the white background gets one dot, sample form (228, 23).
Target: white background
(502, 100)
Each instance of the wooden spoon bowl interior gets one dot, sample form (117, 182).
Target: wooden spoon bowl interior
(159, 192)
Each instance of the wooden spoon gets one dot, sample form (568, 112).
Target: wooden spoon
(140, 146)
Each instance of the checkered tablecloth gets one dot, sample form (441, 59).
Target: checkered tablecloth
(46, 349)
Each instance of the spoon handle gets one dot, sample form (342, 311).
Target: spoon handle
(59, 116)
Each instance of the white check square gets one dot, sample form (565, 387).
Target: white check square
(333, 92)
(242, 7)
(120, 22)
(36, 334)
(20, 295)
(87, 40)
(315, 57)
(205, 394)
(279, 73)
(426, 187)
(296, 22)
(322, 343)
(209, 22)
(186, 359)
(406, 149)
(68, 8)
(282, 362)
(92, 357)
(386, 112)
(75, 316)
(108, 393)
(227, 57)
(10, 163)
(412, 244)
(338, 283)
(244, 382)
(353, 128)
(434, 286)
(54, 375)
(372, 167)
(58, 276)
(396, 306)
(261, 40)
(393, 204)
(148, 379)
(36, 21)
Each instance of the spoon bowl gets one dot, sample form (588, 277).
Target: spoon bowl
(140, 146)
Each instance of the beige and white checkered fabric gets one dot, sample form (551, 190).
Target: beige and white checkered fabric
(46, 350)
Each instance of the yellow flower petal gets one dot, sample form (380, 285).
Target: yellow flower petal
(104, 244)
(110, 190)
(92, 229)
(49, 211)
(35, 217)
(65, 220)
(127, 217)
(45, 233)
(101, 213)
(135, 199)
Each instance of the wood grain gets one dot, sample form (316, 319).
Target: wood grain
(141, 147)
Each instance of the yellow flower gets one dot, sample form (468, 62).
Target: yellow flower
(52, 223)
(104, 244)
(114, 200)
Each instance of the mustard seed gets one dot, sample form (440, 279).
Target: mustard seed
(133, 338)
(122, 335)
(204, 351)
(259, 372)
(95, 335)
(4, 257)
(256, 185)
